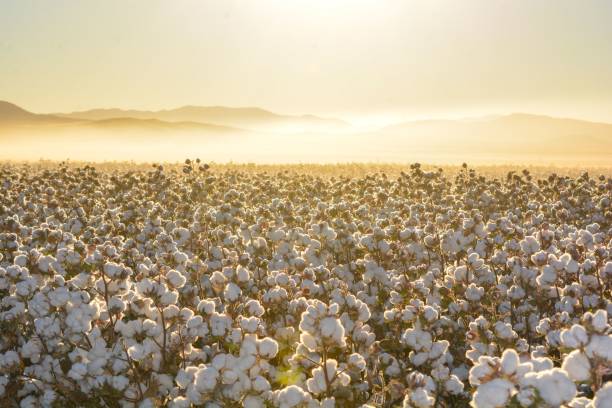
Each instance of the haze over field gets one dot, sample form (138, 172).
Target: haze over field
(257, 135)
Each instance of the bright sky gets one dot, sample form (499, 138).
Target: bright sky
(373, 58)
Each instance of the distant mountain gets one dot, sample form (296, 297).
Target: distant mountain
(13, 114)
(517, 133)
(14, 117)
(253, 134)
(247, 118)
(154, 125)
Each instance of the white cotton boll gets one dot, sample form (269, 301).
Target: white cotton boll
(116, 305)
(474, 293)
(554, 386)
(119, 382)
(59, 297)
(3, 383)
(180, 257)
(232, 292)
(229, 376)
(249, 324)
(603, 397)
(577, 366)
(268, 347)
(292, 396)
(171, 312)
(509, 361)
(175, 279)
(112, 269)
(206, 306)
(137, 352)
(205, 379)
(260, 384)
(242, 274)
(184, 377)
(180, 402)
(504, 330)
(430, 314)
(600, 346)
(357, 361)
(317, 383)
(493, 394)
(419, 359)
(332, 328)
(253, 401)
(169, 298)
(77, 371)
(254, 308)
(418, 398)
(600, 320)
(309, 341)
(575, 337)
(417, 339)
(541, 364)
(48, 397)
(454, 385)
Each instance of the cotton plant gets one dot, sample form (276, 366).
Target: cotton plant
(184, 285)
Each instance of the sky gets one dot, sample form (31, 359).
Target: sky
(376, 59)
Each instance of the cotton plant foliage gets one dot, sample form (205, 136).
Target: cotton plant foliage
(131, 287)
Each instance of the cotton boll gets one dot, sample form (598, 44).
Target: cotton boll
(600, 346)
(554, 386)
(169, 298)
(493, 394)
(242, 274)
(292, 396)
(250, 324)
(232, 292)
(253, 401)
(357, 361)
(205, 379)
(599, 320)
(180, 402)
(577, 366)
(309, 341)
(175, 279)
(603, 397)
(454, 385)
(418, 398)
(509, 361)
(254, 308)
(268, 348)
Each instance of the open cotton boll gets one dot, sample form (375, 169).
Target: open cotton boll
(267, 347)
(232, 292)
(205, 379)
(418, 398)
(493, 394)
(577, 366)
(332, 328)
(603, 397)
(600, 347)
(292, 396)
(509, 361)
(554, 386)
(175, 279)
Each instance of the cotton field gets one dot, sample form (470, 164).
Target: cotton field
(195, 286)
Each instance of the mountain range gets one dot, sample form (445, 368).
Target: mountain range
(240, 133)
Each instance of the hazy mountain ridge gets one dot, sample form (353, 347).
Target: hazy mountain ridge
(544, 134)
(249, 136)
(250, 117)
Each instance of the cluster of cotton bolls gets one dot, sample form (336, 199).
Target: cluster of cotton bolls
(174, 287)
